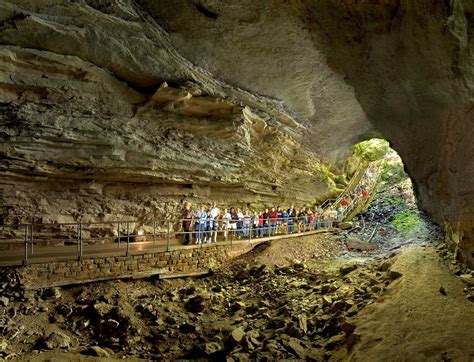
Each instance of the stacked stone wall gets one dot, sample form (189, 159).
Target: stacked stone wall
(183, 261)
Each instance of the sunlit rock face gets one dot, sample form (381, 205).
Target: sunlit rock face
(257, 93)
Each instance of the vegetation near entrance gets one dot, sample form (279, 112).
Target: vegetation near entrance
(407, 220)
(393, 171)
(372, 150)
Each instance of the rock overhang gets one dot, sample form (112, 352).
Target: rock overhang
(331, 73)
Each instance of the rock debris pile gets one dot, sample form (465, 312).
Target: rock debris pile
(246, 311)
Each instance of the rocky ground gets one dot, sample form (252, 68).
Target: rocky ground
(323, 297)
(300, 310)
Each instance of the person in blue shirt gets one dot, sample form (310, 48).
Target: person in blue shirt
(291, 219)
(203, 225)
(197, 226)
(284, 221)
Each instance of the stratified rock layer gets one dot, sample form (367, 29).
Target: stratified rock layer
(90, 128)
(91, 132)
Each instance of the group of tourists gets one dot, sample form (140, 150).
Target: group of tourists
(203, 224)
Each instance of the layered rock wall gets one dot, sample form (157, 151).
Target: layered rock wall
(405, 66)
(256, 95)
(91, 132)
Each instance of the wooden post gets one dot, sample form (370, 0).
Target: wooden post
(31, 235)
(118, 235)
(250, 232)
(78, 239)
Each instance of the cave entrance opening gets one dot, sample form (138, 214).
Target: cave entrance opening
(392, 217)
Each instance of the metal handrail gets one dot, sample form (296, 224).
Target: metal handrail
(268, 229)
(76, 235)
(352, 206)
(334, 201)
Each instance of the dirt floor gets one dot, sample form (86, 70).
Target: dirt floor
(423, 316)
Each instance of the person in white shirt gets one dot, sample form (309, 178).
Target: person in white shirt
(225, 222)
(247, 220)
(240, 223)
(256, 227)
(214, 215)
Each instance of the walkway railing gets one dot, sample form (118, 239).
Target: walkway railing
(358, 201)
(75, 240)
(53, 241)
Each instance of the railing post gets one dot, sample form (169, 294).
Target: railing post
(168, 237)
(118, 235)
(31, 235)
(250, 232)
(128, 239)
(80, 242)
(78, 239)
(25, 258)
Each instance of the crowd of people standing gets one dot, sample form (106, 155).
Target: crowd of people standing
(203, 224)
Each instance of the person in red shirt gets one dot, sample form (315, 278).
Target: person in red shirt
(344, 202)
(260, 223)
(311, 218)
(273, 221)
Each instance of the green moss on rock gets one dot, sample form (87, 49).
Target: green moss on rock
(407, 220)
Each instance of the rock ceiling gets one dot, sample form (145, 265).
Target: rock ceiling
(124, 103)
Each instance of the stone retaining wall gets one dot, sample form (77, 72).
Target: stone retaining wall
(187, 261)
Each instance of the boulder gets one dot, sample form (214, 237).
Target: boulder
(236, 306)
(348, 327)
(51, 293)
(57, 340)
(303, 322)
(96, 351)
(296, 348)
(212, 347)
(385, 265)
(335, 341)
(392, 275)
(339, 305)
(187, 328)
(327, 301)
(4, 301)
(237, 334)
(196, 304)
(102, 308)
(345, 225)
